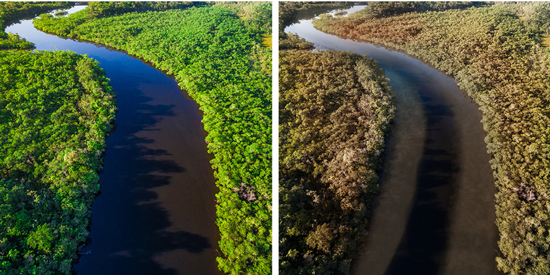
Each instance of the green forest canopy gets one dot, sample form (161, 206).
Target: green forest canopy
(56, 110)
(11, 11)
(215, 53)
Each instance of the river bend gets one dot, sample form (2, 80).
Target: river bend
(435, 213)
(156, 210)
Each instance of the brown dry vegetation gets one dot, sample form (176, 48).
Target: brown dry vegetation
(336, 109)
(498, 60)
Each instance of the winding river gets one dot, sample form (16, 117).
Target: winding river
(435, 211)
(156, 211)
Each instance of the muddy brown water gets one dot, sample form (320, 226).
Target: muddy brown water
(156, 210)
(435, 213)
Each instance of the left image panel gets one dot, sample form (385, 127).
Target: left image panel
(135, 138)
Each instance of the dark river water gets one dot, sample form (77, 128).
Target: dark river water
(156, 211)
(435, 213)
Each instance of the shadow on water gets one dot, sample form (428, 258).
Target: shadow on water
(422, 247)
(129, 188)
(156, 211)
(435, 211)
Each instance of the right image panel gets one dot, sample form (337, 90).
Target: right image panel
(414, 138)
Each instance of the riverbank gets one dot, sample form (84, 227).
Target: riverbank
(58, 109)
(336, 110)
(433, 168)
(509, 92)
(228, 73)
(13, 11)
(157, 173)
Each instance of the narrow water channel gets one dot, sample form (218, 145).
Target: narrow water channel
(435, 211)
(156, 210)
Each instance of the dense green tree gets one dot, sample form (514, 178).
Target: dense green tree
(10, 11)
(215, 53)
(41, 239)
(56, 110)
(104, 9)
